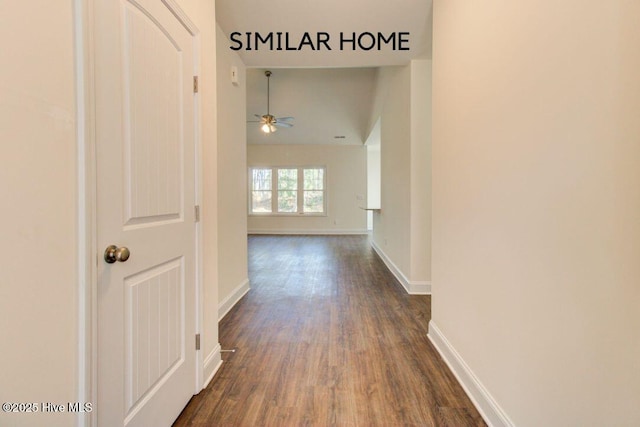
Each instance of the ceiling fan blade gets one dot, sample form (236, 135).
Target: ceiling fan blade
(254, 121)
(258, 116)
(285, 119)
(283, 124)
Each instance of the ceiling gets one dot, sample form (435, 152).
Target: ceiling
(296, 17)
(326, 103)
(329, 92)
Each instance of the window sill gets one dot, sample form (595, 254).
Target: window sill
(297, 215)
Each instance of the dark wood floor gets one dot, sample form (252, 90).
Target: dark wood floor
(327, 336)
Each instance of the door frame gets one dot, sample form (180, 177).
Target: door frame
(87, 254)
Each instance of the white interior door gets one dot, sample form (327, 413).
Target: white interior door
(145, 150)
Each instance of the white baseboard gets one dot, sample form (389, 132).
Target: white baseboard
(231, 300)
(350, 232)
(420, 287)
(412, 287)
(491, 412)
(212, 363)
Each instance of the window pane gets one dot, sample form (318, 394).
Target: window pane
(287, 201)
(287, 179)
(314, 179)
(261, 179)
(260, 201)
(314, 201)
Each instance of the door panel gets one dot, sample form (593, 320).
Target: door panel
(154, 329)
(153, 126)
(145, 151)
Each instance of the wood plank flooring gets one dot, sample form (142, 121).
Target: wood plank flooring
(327, 337)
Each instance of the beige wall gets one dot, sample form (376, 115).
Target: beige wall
(402, 229)
(346, 187)
(420, 170)
(232, 173)
(38, 278)
(391, 227)
(536, 204)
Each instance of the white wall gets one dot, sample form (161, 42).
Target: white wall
(38, 278)
(379, 95)
(402, 228)
(373, 181)
(232, 174)
(536, 237)
(346, 169)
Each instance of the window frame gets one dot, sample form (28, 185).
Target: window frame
(299, 191)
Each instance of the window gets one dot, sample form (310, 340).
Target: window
(261, 191)
(313, 191)
(287, 191)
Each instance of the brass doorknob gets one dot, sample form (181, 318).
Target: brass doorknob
(114, 253)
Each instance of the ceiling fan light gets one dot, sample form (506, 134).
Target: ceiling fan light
(267, 121)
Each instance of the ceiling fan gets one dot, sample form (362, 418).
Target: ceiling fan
(269, 123)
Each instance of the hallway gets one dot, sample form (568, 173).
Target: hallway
(326, 336)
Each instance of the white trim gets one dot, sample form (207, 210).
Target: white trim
(200, 365)
(193, 30)
(415, 287)
(212, 363)
(320, 232)
(86, 210)
(488, 407)
(230, 301)
(177, 11)
(420, 287)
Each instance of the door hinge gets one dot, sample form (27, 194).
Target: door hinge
(197, 212)
(197, 341)
(195, 84)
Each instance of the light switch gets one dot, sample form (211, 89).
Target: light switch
(234, 75)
